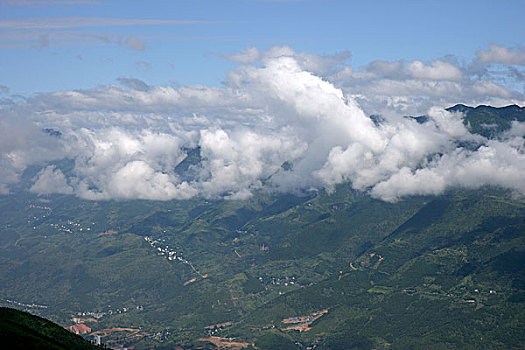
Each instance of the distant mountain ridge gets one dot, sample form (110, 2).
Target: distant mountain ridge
(489, 121)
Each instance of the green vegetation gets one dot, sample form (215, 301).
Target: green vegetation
(22, 330)
(275, 341)
(489, 121)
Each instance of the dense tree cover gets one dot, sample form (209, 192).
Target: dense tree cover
(21, 330)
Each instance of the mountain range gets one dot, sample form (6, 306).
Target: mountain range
(321, 269)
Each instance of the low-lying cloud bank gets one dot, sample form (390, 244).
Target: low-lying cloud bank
(278, 106)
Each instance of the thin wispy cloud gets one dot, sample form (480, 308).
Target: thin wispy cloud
(85, 22)
(46, 2)
(283, 0)
(27, 39)
(23, 33)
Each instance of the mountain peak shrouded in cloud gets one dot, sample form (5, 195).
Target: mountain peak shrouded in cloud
(276, 107)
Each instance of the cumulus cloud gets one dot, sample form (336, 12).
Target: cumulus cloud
(22, 143)
(397, 70)
(496, 163)
(51, 180)
(277, 106)
(502, 54)
(316, 64)
(391, 70)
(410, 88)
(436, 70)
(117, 163)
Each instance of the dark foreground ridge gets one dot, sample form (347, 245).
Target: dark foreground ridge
(21, 330)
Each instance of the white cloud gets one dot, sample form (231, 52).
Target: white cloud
(320, 65)
(497, 163)
(23, 143)
(450, 123)
(403, 88)
(51, 180)
(437, 70)
(114, 163)
(393, 70)
(276, 106)
(137, 179)
(502, 54)
(484, 87)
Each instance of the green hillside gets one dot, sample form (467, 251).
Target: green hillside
(489, 121)
(21, 330)
(454, 263)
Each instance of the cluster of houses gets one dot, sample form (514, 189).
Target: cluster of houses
(216, 328)
(41, 207)
(278, 281)
(164, 250)
(100, 314)
(27, 306)
(70, 227)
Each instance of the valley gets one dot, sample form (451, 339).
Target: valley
(167, 274)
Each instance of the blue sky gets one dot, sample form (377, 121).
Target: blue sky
(62, 45)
